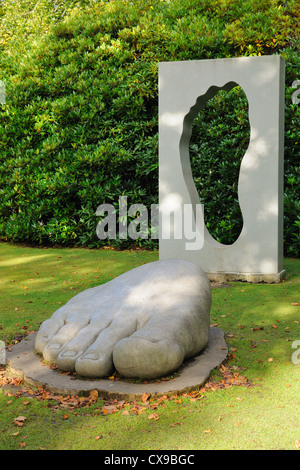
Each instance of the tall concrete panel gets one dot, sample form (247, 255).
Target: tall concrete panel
(184, 88)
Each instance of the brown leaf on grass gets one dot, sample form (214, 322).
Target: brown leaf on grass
(145, 397)
(207, 431)
(20, 420)
(137, 409)
(297, 444)
(94, 394)
(153, 406)
(109, 409)
(153, 416)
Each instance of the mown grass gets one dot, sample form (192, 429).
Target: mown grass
(260, 323)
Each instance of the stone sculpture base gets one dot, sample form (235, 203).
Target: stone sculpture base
(247, 277)
(22, 361)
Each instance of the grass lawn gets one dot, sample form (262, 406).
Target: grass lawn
(252, 402)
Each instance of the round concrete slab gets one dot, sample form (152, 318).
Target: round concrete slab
(23, 362)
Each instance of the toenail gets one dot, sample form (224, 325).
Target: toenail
(91, 356)
(69, 354)
(54, 346)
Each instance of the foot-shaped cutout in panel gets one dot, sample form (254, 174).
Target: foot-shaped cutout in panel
(219, 140)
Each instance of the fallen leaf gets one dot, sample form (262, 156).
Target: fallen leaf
(153, 416)
(295, 304)
(270, 359)
(145, 397)
(15, 433)
(297, 444)
(207, 431)
(66, 416)
(153, 406)
(94, 394)
(98, 437)
(109, 409)
(22, 444)
(20, 420)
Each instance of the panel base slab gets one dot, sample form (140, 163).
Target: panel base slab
(255, 278)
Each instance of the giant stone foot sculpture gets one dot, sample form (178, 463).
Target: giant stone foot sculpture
(143, 323)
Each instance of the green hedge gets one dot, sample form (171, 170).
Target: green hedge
(80, 125)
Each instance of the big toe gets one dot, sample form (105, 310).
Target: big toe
(141, 357)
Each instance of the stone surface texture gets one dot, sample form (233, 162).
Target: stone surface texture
(144, 323)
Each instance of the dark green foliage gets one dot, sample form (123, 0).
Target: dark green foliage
(80, 127)
(292, 158)
(216, 160)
